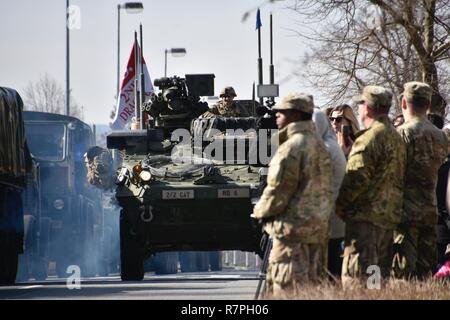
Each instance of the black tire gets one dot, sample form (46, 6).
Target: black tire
(166, 262)
(131, 253)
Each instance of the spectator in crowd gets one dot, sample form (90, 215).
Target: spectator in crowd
(328, 111)
(338, 162)
(436, 119)
(443, 205)
(444, 269)
(345, 125)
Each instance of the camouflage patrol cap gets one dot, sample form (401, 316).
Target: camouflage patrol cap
(227, 91)
(376, 97)
(296, 101)
(417, 89)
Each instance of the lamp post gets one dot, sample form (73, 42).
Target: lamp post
(67, 61)
(130, 7)
(176, 52)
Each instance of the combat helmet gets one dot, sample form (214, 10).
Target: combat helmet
(227, 91)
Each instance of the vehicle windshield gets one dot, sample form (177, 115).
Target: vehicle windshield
(46, 140)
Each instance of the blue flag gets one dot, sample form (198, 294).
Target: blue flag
(258, 20)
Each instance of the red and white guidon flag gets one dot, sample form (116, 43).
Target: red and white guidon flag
(125, 102)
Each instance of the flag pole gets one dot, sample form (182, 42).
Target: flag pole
(260, 71)
(253, 99)
(271, 68)
(142, 93)
(136, 79)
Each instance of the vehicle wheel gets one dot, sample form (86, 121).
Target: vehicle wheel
(215, 260)
(131, 255)
(166, 262)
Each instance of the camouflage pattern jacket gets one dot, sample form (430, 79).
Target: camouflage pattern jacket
(426, 150)
(298, 196)
(372, 190)
(100, 171)
(221, 109)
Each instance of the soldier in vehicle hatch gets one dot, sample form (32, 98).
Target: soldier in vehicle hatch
(226, 107)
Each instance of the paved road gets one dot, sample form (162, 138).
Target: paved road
(226, 285)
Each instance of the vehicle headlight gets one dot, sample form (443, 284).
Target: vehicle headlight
(58, 204)
(145, 176)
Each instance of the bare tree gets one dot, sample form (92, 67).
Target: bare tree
(360, 42)
(113, 111)
(46, 95)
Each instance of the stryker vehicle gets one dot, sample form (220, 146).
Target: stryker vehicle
(67, 224)
(179, 194)
(15, 163)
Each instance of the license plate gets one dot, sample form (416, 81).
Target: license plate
(233, 193)
(177, 194)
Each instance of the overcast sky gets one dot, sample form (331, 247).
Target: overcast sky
(32, 41)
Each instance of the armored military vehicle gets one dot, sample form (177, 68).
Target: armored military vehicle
(15, 162)
(68, 223)
(178, 193)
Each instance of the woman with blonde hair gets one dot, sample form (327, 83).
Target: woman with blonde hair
(345, 125)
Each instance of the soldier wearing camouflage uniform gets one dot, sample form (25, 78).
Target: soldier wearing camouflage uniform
(98, 163)
(426, 148)
(226, 107)
(370, 199)
(296, 204)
